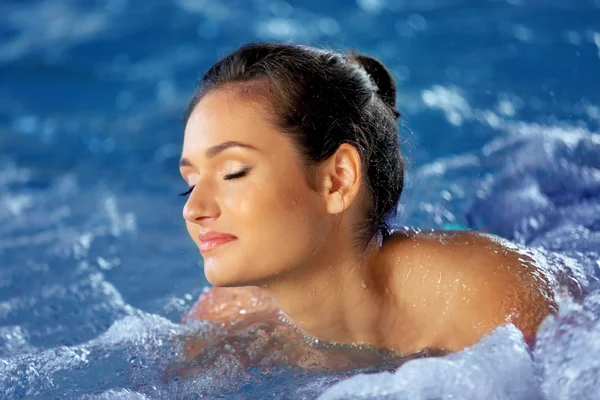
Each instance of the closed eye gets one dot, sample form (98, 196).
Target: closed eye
(236, 175)
(187, 191)
(228, 177)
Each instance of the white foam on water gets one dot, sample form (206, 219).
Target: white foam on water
(564, 365)
(567, 354)
(116, 394)
(143, 343)
(544, 192)
(450, 100)
(497, 367)
(14, 341)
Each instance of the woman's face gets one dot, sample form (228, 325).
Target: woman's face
(251, 211)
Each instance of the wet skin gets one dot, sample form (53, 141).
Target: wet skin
(288, 247)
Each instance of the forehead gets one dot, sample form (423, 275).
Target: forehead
(229, 114)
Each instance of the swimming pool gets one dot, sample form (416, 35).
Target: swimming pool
(501, 133)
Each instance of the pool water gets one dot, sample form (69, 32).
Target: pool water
(500, 130)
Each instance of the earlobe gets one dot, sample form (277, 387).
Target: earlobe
(337, 204)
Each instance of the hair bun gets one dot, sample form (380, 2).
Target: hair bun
(382, 77)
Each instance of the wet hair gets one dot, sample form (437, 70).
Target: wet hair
(322, 99)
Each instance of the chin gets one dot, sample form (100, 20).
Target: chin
(217, 279)
(224, 276)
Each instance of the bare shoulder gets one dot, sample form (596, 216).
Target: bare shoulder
(467, 254)
(459, 285)
(231, 304)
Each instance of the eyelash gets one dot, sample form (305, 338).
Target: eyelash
(235, 175)
(187, 191)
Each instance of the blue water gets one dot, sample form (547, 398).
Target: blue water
(501, 133)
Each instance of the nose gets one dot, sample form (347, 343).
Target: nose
(200, 206)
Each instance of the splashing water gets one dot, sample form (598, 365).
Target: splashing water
(500, 135)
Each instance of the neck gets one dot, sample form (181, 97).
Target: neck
(336, 295)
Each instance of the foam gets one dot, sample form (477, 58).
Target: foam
(567, 354)
(497, 367)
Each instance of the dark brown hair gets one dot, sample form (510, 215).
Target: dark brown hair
(322, 99)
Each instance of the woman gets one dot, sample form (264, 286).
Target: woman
(292, 158)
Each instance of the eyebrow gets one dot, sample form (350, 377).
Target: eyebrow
(213, 151)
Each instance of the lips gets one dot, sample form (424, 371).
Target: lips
(211, 240)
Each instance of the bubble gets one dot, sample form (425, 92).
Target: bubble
(328, 26)
(572, 37)
(280, 28)
(165, 91)
(523, 33)
(417, 22)
(281, 9)
(506, 108)
(371, 6)
(26, 124)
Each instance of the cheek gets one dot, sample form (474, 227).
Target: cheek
(279, 223)
(275, 202)
(282, 215)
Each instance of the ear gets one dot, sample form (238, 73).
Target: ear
(340, 178)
